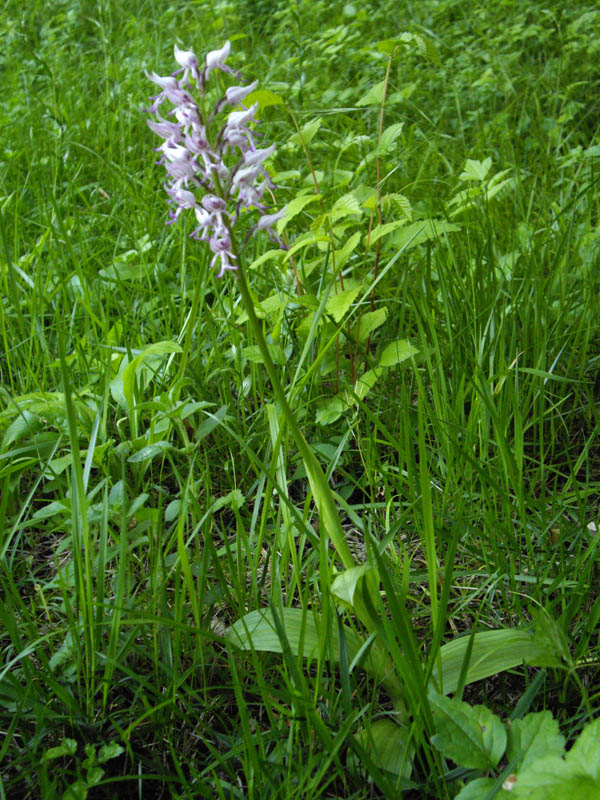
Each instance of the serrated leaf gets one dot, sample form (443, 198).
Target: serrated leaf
(584, 756)
(396, 202)
(108, 751)
(497, 188)
(310, 301)
(308, 132)
(383, 230)
(264, 98)
(533, 737)
(552, 778)
(338, 304)
(346, 251)
(389, 746)
(388, 138)
(396, 352)
(298, 204)
(68, 747)
(233, 499)
(344, 206)
(270, 305)
(423, 44)
(475, 170)
(476, 789)
(306, 240)
(471, 736)
(370, 322)
(269, 255)
(374, 96)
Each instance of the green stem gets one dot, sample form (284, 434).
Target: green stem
(323, 496)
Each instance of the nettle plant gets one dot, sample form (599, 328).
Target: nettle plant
(217, 169)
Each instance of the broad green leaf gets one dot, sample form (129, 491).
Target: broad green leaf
(366, 382)
(332, 409)
(349, 246)
(23, 424)
(78, 790)
(389, 746)
(345, 206)
(423, 44)
(533, 737)
(253, 354)
(234, 499)
(129, 373)
(209, 424)
(310, 301)
(345, 584)
(374, 96)
(149, 452)
(304, 241)
(269, 255)
(256, 631)
(387, 45)
(493, 652)
(549, 633)
(338, 304)
(370, 322)
(298, 204)
(270, 305)
(383, 230)
(396, 352)
(584, 756)
(307, 131)
(477, 789)
(396, 202)
(498, 180)
(418, 232)
(552, 778)
(470, 735)
(475, 170)
(125, 269)
(68, 747)
(264, 98)
(388, 138)
(498, 188)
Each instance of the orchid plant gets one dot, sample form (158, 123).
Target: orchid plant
(215, 169)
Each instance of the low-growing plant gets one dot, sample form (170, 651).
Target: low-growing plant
(527, 754)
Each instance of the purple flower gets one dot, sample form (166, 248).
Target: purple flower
(189, 62)
(235, 94)
(216, 59)
(216, 171)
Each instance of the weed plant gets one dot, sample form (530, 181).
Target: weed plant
(172, 620)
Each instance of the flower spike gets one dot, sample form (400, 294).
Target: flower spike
(216, 172)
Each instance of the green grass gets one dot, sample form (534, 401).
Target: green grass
(468, 475)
